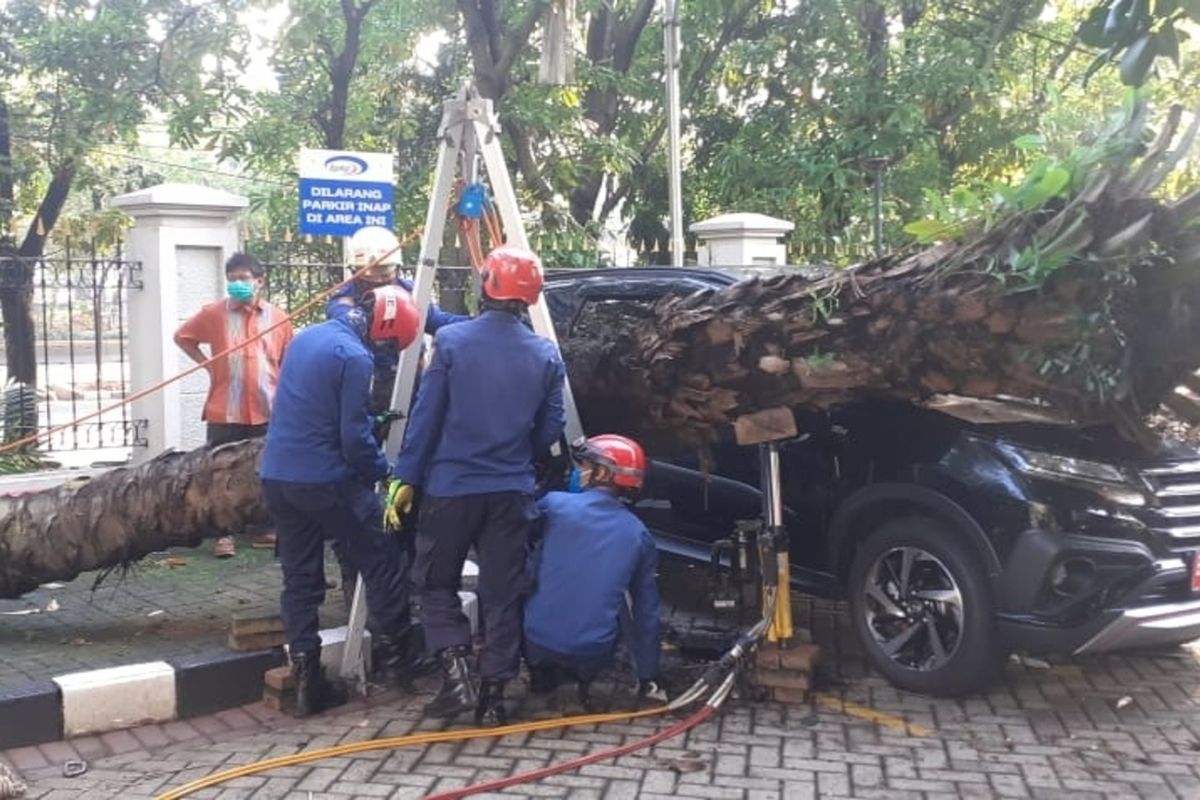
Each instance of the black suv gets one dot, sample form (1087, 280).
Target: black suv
(954, 542)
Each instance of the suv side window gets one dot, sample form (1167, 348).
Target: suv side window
(603, 317)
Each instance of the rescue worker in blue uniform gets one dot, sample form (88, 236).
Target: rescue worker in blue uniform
(490, 401)
(377, 250)
(367, 245)
(593, 550)
(319, 467)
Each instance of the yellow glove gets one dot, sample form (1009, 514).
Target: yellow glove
(398, 504)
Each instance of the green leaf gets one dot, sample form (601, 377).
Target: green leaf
(1030, 141)
(928, 230)
(1051, 184)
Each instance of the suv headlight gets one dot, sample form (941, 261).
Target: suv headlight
(1105, 479)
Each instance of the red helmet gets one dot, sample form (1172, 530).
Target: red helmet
(622, 455)
(393, 315)
(512, 273)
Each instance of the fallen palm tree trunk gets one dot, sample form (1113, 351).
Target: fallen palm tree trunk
(1088, 307)
(176, 499)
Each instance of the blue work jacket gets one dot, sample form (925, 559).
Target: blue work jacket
(593, 550)
(320, 430)
(387, 355)
(489, 402)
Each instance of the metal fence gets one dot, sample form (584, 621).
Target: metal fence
(79, 312)
(298, 271)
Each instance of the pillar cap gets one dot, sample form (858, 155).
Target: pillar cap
(185, 199)
(741, 225)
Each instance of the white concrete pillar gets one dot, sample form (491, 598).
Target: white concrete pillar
(183, 235)
(741, 240)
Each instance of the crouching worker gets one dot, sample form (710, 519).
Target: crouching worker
(319, 468)
(593, 550)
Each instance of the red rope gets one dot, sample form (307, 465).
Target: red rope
(566, 766)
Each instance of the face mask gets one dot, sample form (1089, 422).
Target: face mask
(575, 481)
(241, 291)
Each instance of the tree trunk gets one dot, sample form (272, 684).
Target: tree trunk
(177, 499)
(1104, 337)
(16, 286)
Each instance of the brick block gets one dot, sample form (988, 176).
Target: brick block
(250, 624)
(779, 679)
(256, 641)
(283, 702)
(800, 657)
(280, 679)
(789, 696)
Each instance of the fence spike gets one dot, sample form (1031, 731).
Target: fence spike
(41, 229)
(287, 234)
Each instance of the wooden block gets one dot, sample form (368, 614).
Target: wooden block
(790, 696)
(765, 426)
(250, 624)
(257, 641)
(779, 679)
(280, 679)
(800, 657)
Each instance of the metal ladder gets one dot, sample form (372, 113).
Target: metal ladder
(470, 134)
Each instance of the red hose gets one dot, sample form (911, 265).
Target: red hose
(704, 713)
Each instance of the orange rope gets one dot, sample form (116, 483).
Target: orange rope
(46, 434)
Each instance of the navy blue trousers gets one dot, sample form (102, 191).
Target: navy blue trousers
(349, 514)
(497, 525)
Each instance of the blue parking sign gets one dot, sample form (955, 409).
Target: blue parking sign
(342, 191)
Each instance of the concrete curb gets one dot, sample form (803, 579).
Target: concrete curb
(114, 698)
(102, 700)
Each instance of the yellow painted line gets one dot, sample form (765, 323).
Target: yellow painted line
(871, 715)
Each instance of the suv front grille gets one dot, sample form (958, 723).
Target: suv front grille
(1177, 489)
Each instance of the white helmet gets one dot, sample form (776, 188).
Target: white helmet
(372, 242)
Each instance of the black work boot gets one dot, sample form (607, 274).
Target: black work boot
(458, 691)
(490, 712)
(583, 692)
(398, 660)
(313, 692)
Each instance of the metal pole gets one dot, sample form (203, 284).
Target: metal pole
(876, 165)
(671, 48)
(878, 190)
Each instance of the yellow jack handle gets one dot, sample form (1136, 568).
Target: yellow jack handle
(781, 625)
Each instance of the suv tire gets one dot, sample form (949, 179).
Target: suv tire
(922, 608)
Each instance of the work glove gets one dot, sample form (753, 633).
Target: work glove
(397, 504)
(650, 690)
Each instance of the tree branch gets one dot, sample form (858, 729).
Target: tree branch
(516, 40)
(526, 162)
(49, 209)
(628, 33)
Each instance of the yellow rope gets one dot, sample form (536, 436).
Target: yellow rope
(404, 741)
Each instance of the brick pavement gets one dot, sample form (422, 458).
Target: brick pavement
(1124, 726)
(152, 611)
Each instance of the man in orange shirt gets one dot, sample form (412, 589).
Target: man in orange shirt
(242, 384)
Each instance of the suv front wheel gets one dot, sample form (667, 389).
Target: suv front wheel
(922, 608)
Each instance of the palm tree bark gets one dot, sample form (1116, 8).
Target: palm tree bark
(177, 499)
(1106, 336)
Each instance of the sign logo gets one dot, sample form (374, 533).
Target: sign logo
(346, 165)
